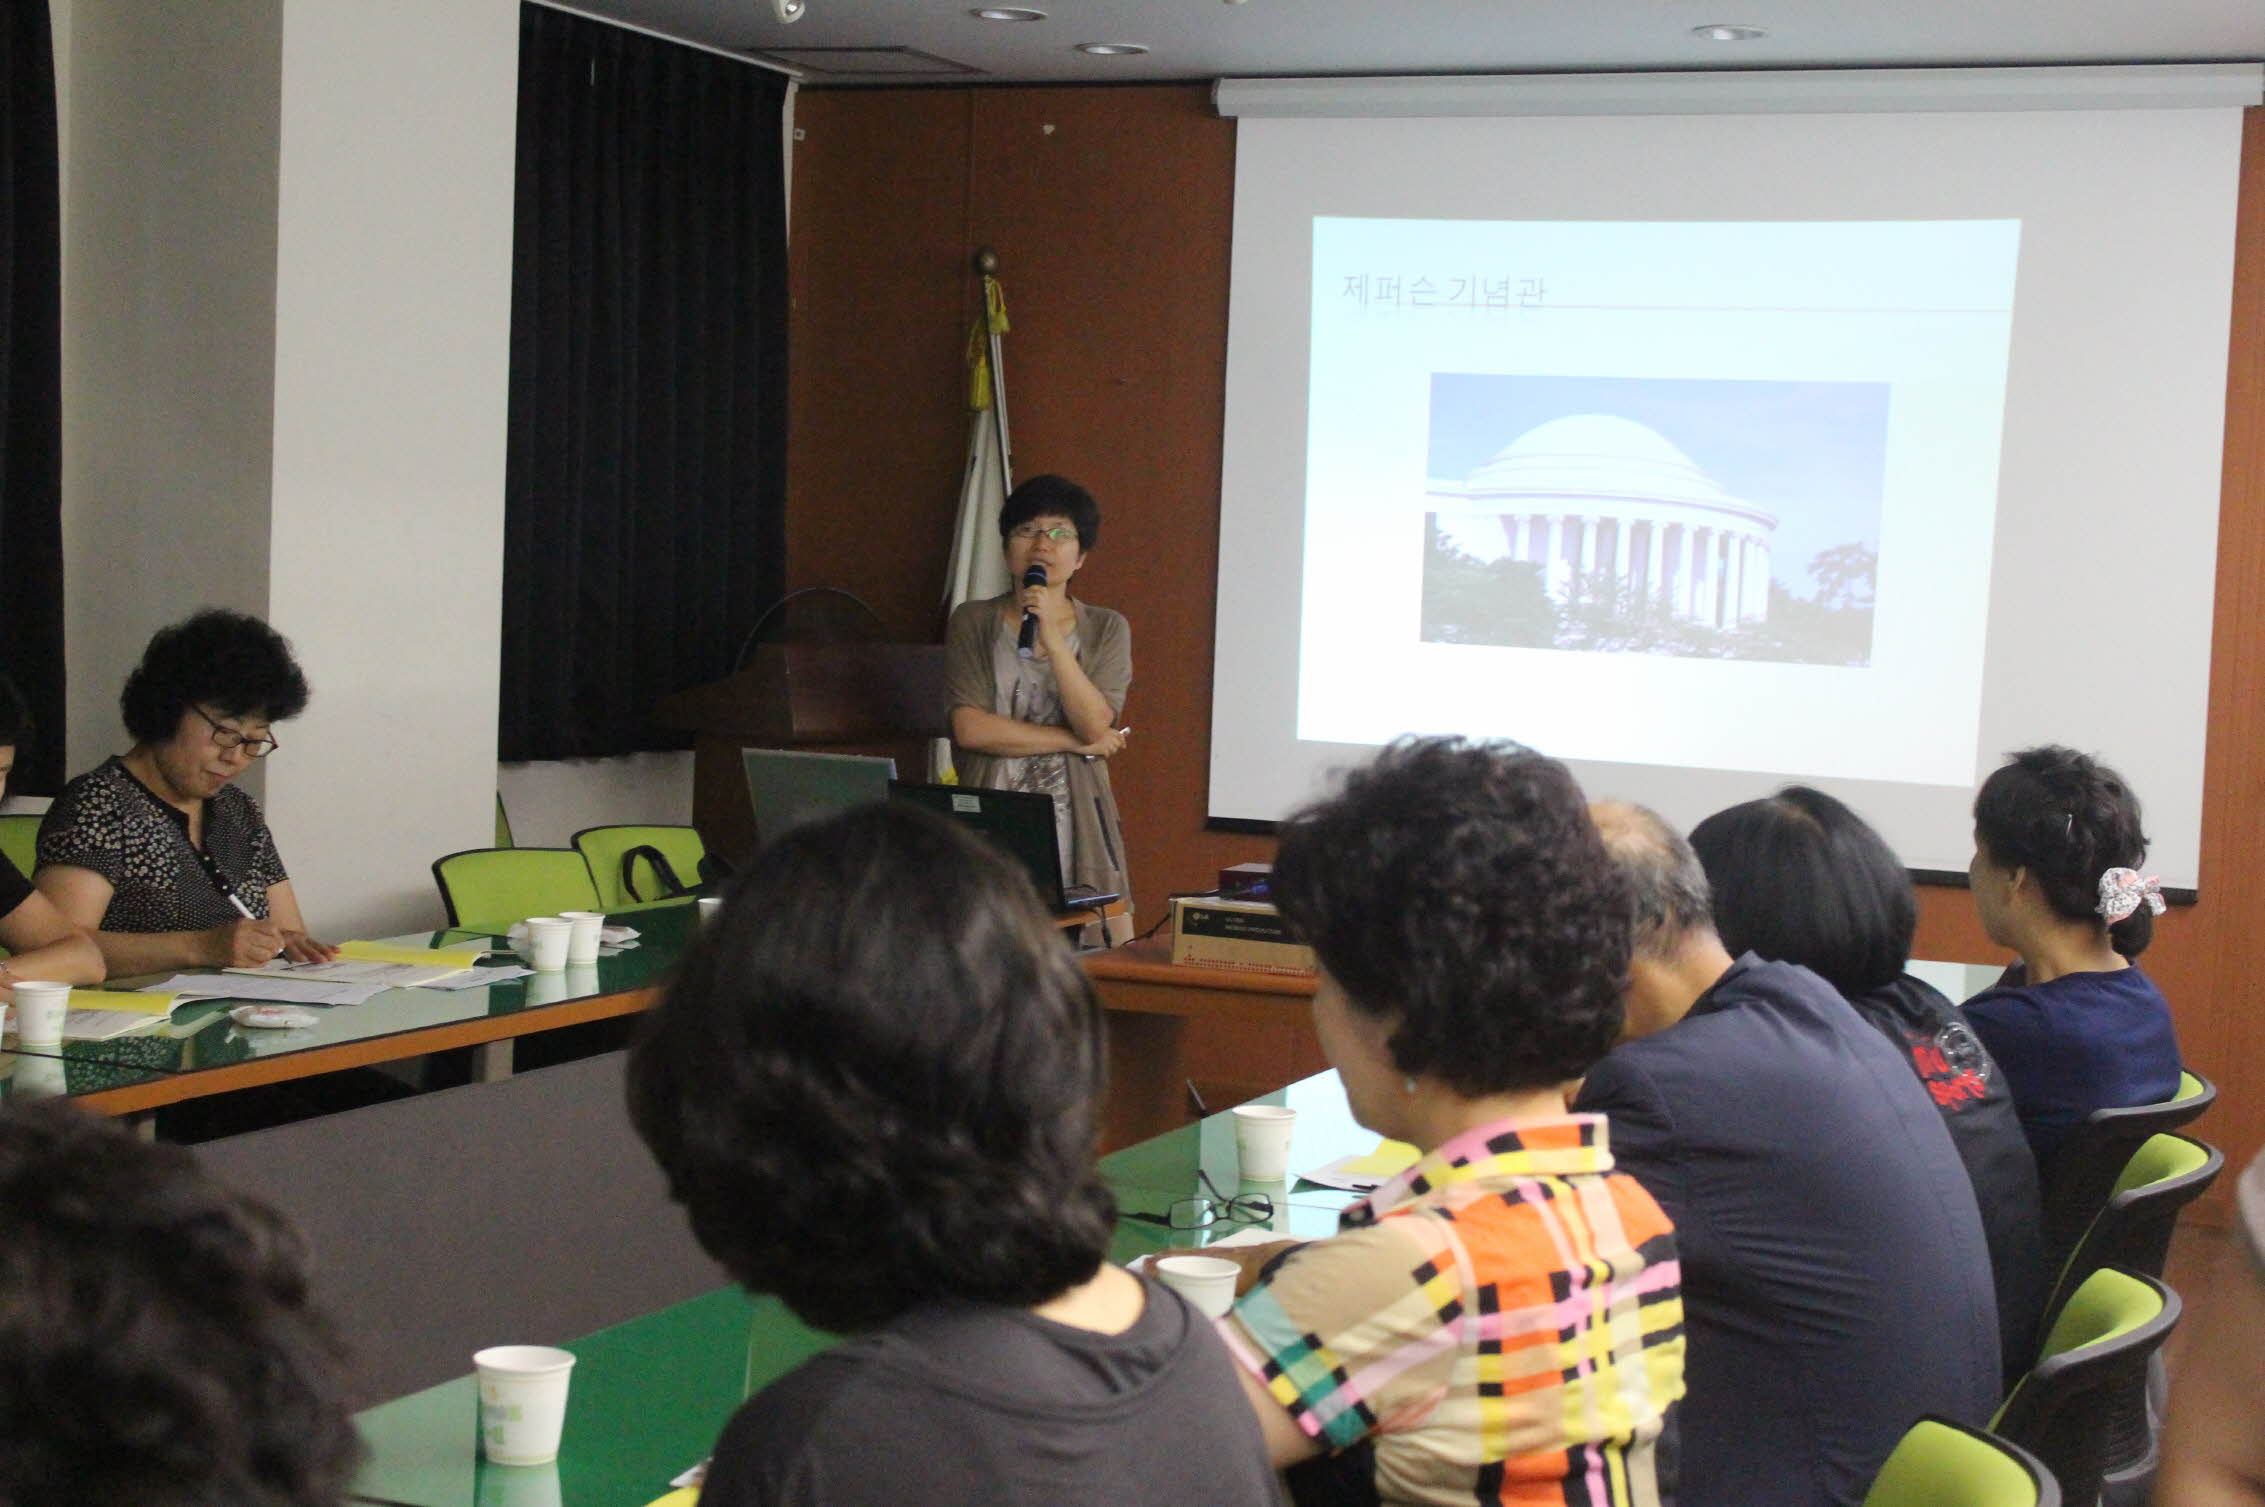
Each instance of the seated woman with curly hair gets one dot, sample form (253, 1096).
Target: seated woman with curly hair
(873, 1088)
(1502, 1322)
(154, 851)
(156, 1340)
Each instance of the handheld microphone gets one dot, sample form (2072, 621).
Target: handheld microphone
(1034, 576)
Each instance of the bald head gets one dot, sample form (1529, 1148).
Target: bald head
(1666, 886)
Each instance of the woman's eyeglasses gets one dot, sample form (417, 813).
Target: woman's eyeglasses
(1030, 533)
(1202, 1213)
(228, 737)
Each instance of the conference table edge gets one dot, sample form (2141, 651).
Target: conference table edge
(177, 1088)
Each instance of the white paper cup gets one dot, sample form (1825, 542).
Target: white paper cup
(522, 1402)
(582, 940)
(709, 906)
(1207, 1282)
(39, 1010)
(1262, 1141)
(547, 940)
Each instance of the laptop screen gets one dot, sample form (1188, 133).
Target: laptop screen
(788, 789)
(1021, 823)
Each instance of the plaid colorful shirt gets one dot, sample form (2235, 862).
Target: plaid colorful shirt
(1504, 1321)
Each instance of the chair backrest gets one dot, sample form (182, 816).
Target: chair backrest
(605, 848)
(2133, 1231)
(502, 824)
(2097, 1350)
(490, 888)
(19, 839)
(2079, 1176)
(1944, 1464)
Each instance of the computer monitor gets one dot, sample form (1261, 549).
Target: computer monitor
(788, 789)
(1019, 822)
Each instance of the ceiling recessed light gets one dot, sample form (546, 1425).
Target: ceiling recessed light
(1720, 33)
(1111, 49)
(1007, 13)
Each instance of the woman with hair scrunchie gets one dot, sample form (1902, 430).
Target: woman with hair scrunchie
(2075, 1025)
(156, 851)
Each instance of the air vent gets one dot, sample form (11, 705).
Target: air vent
(867, 62)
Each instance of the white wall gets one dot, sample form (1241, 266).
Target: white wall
(286, 341)
(392, 350)
(168, 328)
(551, 800)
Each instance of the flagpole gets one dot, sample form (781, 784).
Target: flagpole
(987, 266)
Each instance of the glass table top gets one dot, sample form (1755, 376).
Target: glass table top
(200, 1035)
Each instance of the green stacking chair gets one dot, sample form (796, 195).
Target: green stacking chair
(622, 882)
(2077, 1179)
(19, 839)
(2096, 1354)
(1945, 1464)
(487, 889)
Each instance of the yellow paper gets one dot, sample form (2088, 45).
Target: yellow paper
(1389, 1159)
(683, 1496)
(120, 999)
(414, 957)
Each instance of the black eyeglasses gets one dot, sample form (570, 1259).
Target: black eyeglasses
(1202, 1213)
(228, 737)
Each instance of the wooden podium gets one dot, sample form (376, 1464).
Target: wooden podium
(885, 699)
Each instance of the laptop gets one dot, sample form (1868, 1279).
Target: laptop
(789, 789)
(1020, 823)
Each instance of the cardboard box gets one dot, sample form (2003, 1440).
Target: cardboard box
(1235, 934)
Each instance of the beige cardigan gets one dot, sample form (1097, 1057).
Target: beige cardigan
(1104, 652)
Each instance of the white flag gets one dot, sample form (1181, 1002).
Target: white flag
(979, 567)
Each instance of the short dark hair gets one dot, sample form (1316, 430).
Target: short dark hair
(1668, 894)
(155, 1330)
(1800, 878)
(874, 1083)
(1052, 496)
(1460, 886)
(2067, 818)
(15, 714)
(229, 661)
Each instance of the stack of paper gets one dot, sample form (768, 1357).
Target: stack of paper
(99, 1014)
(375, 965)
(266, 988)
(1366, 1174)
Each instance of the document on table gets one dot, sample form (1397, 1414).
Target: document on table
(380, 965)
(1365, 1174)
(100, 1014)
(266, 988)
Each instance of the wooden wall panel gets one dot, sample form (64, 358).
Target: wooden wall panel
(1113, 228)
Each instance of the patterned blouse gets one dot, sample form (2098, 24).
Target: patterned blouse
(1502, 1323)
(110, 822)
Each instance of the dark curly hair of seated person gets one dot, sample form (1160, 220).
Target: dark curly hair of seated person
(2067, 818)
(874, 1083)
(157, 1348)
(228, 661)
(1462, 888)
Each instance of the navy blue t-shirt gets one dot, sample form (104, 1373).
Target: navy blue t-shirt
(2081, 1042)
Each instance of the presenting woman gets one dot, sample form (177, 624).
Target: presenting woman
(2077, 1025)
(1046, 721)
(872, 1087)
(41, 942)
(158, 848)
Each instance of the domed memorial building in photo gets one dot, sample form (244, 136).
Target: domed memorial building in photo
(1590, 493)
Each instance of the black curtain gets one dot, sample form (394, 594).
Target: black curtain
(31, 375)
(645, 488)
